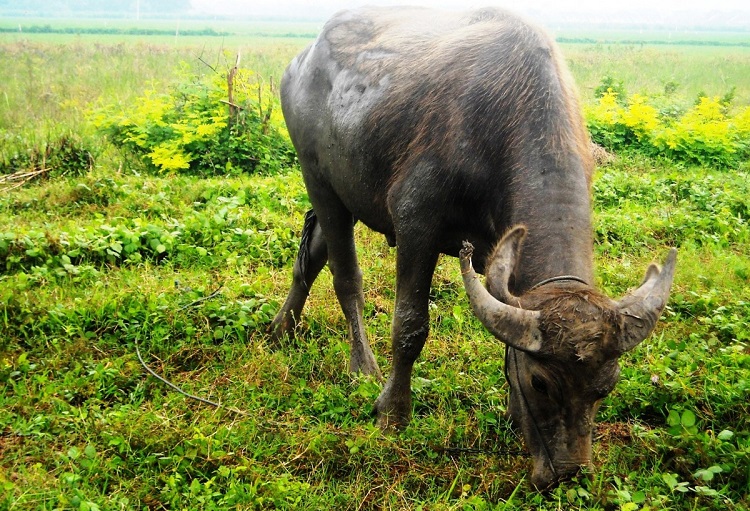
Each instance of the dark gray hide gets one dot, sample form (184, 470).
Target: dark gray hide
(434, 128)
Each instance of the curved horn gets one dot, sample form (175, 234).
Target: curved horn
(642, 307)
(502, 263)
(516, 327)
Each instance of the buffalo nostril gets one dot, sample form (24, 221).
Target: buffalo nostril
(544, 478)
(544, 485)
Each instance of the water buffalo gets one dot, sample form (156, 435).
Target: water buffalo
(434, 128)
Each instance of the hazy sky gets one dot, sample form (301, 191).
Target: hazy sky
(326, 7)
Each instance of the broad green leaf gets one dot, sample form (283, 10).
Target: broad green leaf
(725, 435)
(673, 419)
(688, 419)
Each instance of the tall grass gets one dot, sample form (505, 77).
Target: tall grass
(650, 69)
(51, 85)
(49, 88)
(50, 79)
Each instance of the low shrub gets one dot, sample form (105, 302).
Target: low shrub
(704, 134)
(225, 233)
(67, 154)
(204, 126)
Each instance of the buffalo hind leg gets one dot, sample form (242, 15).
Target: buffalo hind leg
(414, 269)
(337, 224)
(311, 258)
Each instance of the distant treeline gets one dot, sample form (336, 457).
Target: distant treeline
(48, 29)
(684, 42)
(109, 9)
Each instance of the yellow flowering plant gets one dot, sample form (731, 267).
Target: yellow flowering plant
(704, 134)
(195, 128)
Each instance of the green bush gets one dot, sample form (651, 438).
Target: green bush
(704, 134)
(196, 129)
(226, 232)
(67, 154)
(608, 85)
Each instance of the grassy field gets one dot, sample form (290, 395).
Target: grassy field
(82, 426)
(649, 69)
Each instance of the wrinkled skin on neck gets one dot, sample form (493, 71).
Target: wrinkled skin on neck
(555, 394)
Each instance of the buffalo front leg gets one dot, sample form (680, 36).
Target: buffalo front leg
(311, 258)
(414, 269)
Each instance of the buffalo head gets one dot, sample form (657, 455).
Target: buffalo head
(563, 341)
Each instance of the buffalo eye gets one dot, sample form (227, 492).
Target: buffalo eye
(539, 384)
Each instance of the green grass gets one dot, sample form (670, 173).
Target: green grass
(650, 69)
(93, 265)
(639, 36)
(236, 28)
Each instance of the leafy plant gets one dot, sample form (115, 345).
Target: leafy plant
(610, 85)
(702, 135)
(196, 129)
(67, 154)
(224, 233)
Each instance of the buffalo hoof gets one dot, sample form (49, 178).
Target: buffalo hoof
(391, 422)
(391, 414)
(281, 326)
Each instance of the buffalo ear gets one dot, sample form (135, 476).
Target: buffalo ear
(640, 309)
(502, 262)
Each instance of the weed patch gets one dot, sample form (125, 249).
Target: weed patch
(703, 134)
(215, 126)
